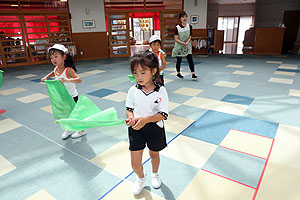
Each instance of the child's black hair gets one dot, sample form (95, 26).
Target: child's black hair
(182, 14)
(145, 59)
(69, 61)
(156, 41)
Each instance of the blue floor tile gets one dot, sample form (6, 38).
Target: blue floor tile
(102, 92)
(231, 98)
(288, 70)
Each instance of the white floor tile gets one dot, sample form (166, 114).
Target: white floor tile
(227, 84)
(281, 80)
(242, 73)
(235, 66)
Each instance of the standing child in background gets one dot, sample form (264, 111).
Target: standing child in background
(66, 72)
(146, 108)
(155, 44)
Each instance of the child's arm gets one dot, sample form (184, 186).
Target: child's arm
(47, 76)
(163, 62)
(74, 78)
(142, 121)
(130, 116)
(163, 52)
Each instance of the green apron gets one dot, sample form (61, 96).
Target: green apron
(180, 50)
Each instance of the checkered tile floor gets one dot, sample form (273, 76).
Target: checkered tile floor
(232, 134)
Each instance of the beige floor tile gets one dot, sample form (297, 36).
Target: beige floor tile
(112, 157)
(176, 124)
(47, 109)
(235, 66)
(274, 62)
(286, 147)
(117, 97)
(41, 195)
(32, 98)
(288, 66)
(5, 166)
(238, 72)
(281, 80)
(8, 125)
(279, 182)
(93, 72)
(26, 76)
(295, 93)
(168, 80)
(248, 143)
(227, 84)
(123, 192)
(185, 148)
(207, 186)
(285, 73)
(282, 176)
(220, 106)
(12, 91)
(173, 105)
(188, 91)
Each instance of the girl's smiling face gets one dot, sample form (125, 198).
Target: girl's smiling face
(143, 75)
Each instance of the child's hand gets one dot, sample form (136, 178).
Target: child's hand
(43, 79)
(140, 123)
(130, 121)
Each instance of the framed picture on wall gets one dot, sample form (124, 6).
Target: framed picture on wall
(88, 24)
(194, 19)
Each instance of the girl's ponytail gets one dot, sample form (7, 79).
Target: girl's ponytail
(69, 62)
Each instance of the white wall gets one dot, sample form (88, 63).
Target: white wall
(200, 9)
(78, 13)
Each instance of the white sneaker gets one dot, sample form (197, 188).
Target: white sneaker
(78, 134)
(156, 182)
(66, 134)
(138, 185)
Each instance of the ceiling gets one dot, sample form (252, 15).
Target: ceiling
(231, 1)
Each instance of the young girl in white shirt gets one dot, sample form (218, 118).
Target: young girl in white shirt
(146, 108)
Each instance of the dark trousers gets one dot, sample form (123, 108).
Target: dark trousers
(190, 61)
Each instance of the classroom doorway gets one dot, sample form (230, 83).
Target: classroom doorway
(142, 26)
(234, 32)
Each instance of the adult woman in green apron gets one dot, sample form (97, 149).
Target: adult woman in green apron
(183, 45)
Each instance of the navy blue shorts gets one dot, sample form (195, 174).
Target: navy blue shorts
(151, 134)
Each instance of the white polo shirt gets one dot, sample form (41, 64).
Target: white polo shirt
(147, 104)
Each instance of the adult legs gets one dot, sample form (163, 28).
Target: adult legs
(178, 64)
(191, 63)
